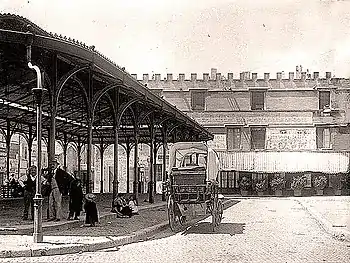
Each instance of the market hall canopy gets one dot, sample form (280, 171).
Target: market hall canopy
(84, 89)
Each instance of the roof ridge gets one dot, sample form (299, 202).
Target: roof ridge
(61, 37)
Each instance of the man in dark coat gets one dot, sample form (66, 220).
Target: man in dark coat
(59, 182)
(75, 199)
(28, 184)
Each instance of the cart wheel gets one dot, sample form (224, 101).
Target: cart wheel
(220, 210)
(213, 215)
(217, 214)
(174, 220)
(209, 208)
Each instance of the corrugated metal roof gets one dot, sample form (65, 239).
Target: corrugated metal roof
(289, 162)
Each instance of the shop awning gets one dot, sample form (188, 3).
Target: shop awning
(288, 162)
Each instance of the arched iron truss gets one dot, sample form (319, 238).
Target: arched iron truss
(89, 97)
(71, 77)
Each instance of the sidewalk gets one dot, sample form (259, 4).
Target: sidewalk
(331, 212)
(11, 221)
(72, 236)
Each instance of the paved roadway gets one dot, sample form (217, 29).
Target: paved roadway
(254, 230)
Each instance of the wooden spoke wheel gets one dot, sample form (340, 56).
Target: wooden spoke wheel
(210, 207)
(175, 220)
(213, 215)
(217, 213)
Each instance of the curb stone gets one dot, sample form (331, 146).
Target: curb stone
(342, 235)
(69, 249)
(95, 246)
(28, 230)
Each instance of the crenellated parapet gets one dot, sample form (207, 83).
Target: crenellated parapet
(246, 80)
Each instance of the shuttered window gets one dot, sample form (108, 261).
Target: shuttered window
(198, 100)
(233, 138)
(257, 100)
(324, 99)
(323, 136)
(258, 138)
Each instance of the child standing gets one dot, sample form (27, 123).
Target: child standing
(90, 210)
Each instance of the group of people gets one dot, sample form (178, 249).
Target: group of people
(52, 189)
(125, 207)
(15, 188)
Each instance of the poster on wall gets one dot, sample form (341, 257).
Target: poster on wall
(218, 143)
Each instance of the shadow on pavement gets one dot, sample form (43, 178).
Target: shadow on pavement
(223, 228)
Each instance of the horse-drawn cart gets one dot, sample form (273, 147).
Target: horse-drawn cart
(192, 184)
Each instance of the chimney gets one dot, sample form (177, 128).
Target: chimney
(157, 77)
(297, 71)
(328, 75)
(169, 77)
(279, 76)
(303, 76)
(193, 76)
(181, 77)
(316, 75)
(266, 76)
(230, 76)
(145, 77)
(254, 76)
(218, 76)
(246, 75)
(134, 76)
(205, 76)
(291, 76)
(213, 73)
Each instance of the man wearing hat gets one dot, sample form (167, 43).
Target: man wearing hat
(55, 197)
(28, 184)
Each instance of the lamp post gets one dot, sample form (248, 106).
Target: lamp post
(38, 200)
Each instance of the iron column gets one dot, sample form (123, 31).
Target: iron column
(38, 200)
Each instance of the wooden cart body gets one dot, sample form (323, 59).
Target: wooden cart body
(193, 171)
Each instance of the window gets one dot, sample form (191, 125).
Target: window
(257, 100)
(324, 99)
(233, 138)
(159, 172)
(323, 138)
(198, 100)
(258, 138)
(227, 179)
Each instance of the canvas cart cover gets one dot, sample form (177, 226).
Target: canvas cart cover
(180, 149)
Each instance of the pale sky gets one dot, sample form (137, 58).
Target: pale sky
(192, 36)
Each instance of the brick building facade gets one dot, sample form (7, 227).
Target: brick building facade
(253, 118)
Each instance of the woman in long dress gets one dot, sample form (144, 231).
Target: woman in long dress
(76, 197)
(90, 210)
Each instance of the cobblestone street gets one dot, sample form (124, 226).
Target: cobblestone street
(254, 230)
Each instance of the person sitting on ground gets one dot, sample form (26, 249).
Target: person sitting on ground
(133, 205)
(91, 216)
(121, 207)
